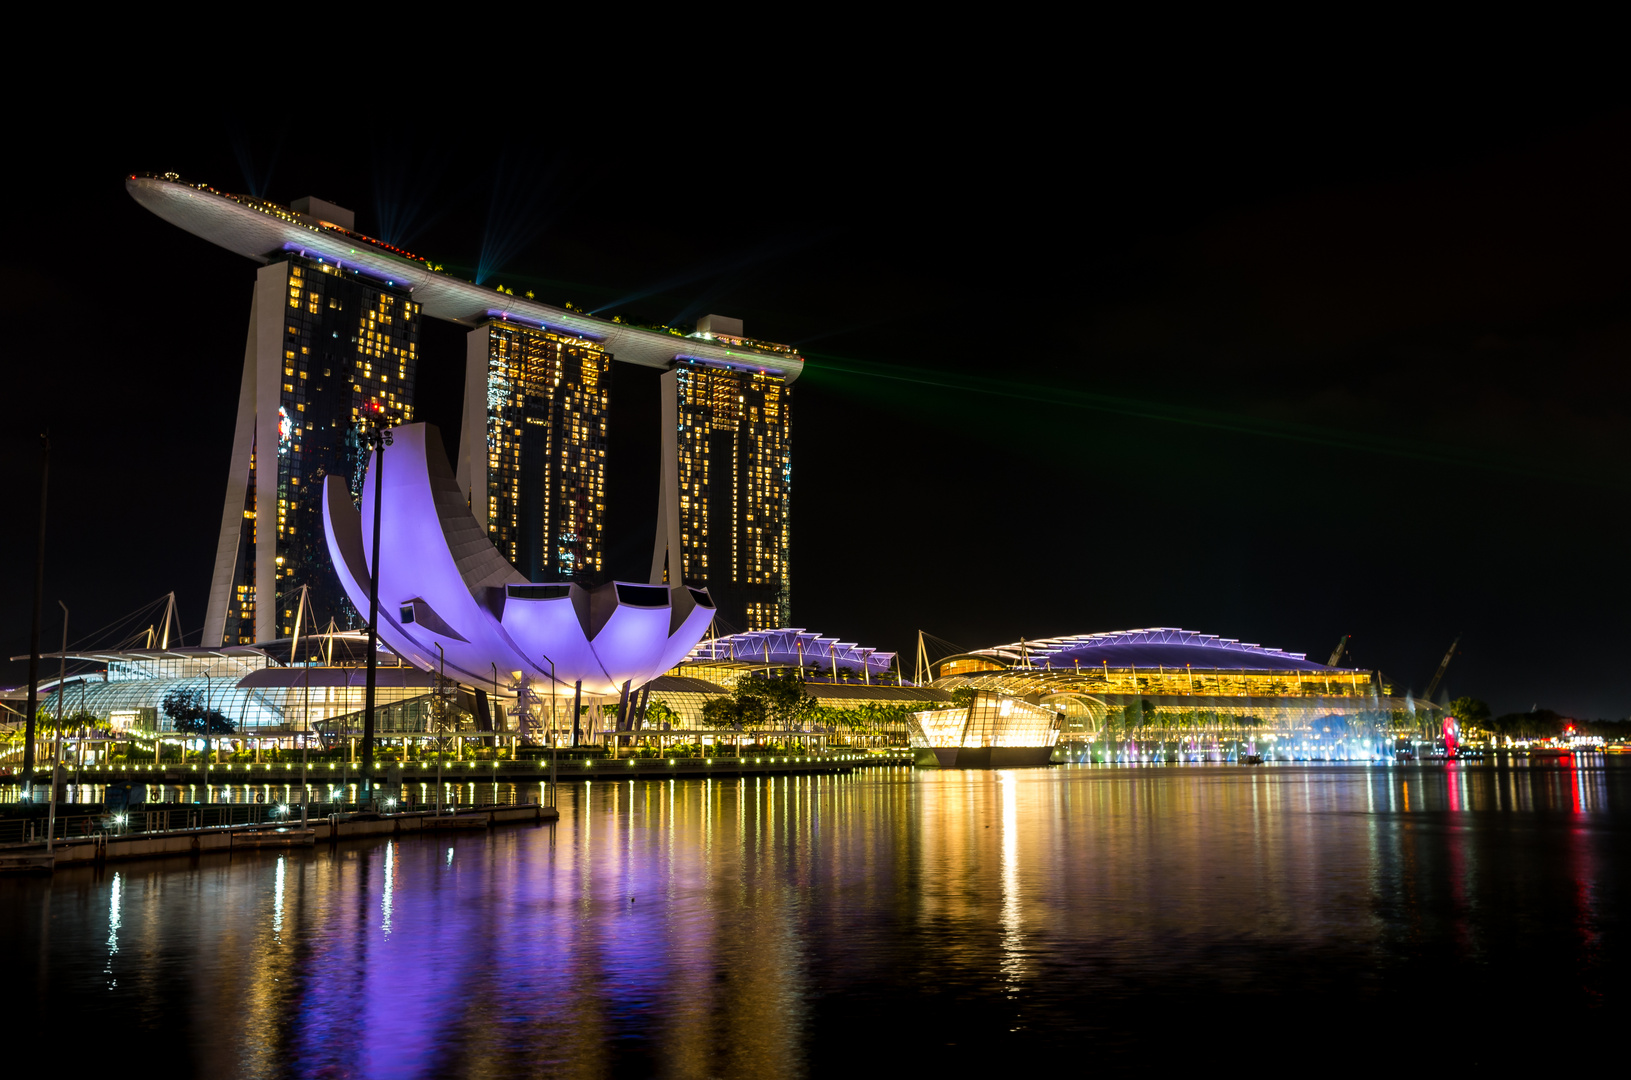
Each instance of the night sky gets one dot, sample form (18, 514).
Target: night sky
(1272, 373)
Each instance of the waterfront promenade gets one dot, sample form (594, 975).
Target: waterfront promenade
(530, 770)
(243, 800)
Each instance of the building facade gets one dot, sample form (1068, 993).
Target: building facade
(537, 405)
(1196, 695)
(330, 353)
(727, 491)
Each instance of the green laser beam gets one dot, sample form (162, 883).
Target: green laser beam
(822, 364)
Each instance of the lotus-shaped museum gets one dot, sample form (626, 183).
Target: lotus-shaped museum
(447, 595)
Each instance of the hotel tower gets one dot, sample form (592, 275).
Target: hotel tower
(726, 484)
(329, 351)
(532, 458)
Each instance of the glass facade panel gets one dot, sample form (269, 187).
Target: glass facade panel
(991, 720)
(735, 474)
(548, 397)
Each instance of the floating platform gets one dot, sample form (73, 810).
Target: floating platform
(445, 822)
(982, 757)
(30, 863)
(279, 837)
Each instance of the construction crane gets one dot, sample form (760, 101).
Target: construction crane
(1336, 653)
(1439, 674)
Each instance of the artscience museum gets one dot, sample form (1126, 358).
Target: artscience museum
(449, 602)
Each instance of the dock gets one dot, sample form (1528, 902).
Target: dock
(113, 846)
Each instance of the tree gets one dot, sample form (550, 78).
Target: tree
(659, 717)
(730, 714)
(1470, 711)
(186, 708)
(779, 700)
(1537, 723)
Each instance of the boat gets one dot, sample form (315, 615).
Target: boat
(994, 731)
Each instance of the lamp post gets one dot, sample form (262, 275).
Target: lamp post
(29, 721)
(553, 686)
(379, 439)
(205, 719)
(441, 723)
(56, 754)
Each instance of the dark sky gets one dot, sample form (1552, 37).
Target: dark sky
(1077, 362)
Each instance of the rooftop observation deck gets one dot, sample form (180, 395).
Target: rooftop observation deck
(261, 230)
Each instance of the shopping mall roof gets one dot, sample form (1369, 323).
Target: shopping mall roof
(258, 230)
(789, 647)
(1160, 646)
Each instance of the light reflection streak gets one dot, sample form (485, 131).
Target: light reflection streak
(277, 902)
(387, 893)
(115, 901)
(1013, 962)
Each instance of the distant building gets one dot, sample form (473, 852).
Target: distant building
(1174, 691)
(330, 351)
(533, 458)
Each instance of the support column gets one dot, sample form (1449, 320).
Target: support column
(667, 550)
(473, 447)
(271, 301)
(577, 709)
(224, 577)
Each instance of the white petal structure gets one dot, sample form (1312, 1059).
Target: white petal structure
(441, 582)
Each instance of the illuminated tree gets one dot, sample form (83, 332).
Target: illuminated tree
(187, 710)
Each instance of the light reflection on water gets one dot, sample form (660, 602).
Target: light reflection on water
(783, 926)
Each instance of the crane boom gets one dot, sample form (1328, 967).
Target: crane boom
(1336, 653)
(1439, 674)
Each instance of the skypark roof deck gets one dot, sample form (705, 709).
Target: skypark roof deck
(259, 230)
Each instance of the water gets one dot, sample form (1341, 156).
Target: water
(1109, 918)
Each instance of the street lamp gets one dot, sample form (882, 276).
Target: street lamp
(441, 722)
(378, 439)
(205, 720)
(56, 755)
(554, 685)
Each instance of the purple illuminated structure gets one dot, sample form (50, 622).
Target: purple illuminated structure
(442, 583)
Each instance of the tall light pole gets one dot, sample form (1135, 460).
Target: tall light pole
(305, 712)
(34, 633)
(56, 754)
(553, 738)
(379, 439)
(205, 720)
(441, 722)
